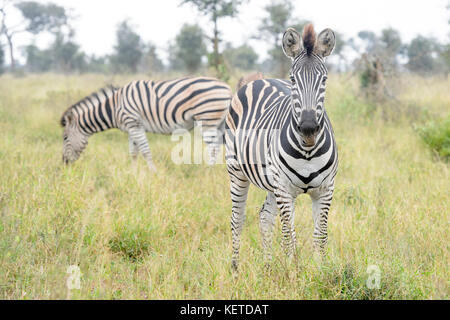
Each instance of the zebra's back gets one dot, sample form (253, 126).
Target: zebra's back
(165, 106)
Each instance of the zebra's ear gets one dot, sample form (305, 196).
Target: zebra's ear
(66, 118)
(292, 44)
(326, 42)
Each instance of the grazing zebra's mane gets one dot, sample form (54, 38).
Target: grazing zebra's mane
(107, 91)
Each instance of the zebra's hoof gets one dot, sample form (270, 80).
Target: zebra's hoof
(234, 267)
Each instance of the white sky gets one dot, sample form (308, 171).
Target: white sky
(159, 21)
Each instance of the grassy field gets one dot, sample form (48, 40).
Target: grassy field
(135, 235)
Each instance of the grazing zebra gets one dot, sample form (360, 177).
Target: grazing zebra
(148, 106)
(278, 137)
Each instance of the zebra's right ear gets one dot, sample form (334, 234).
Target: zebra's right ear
(66, 118)
(292, 44)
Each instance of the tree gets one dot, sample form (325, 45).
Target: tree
(2, 59)
(370, 40)
(63, 55)
(420, 54)
(150, 60)
(128, 50)
(242, 57)
(273, 26)
(97, 64)
(189, 48)
(66, 55)
(216, 9)
(37, 18)
(37, 60)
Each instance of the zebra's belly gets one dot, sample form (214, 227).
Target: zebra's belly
(166, 128)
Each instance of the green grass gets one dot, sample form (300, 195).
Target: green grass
(436, 134)
(136, 235)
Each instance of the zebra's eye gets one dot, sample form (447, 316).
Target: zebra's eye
(292, 79)
(324, 80)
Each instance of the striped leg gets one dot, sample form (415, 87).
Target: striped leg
(211, 138)
(239, 190)
(321, 203)
(138, 138)
(285, 203)
(134, 151)
(266, 224)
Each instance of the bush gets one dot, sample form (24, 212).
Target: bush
(133, 243)
(436, 134)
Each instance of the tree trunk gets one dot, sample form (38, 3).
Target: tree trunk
(11, 52)
(216, 44)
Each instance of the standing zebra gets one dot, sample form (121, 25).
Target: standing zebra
(279, 137)
(147, 106)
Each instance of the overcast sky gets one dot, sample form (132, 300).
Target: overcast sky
(159, 21)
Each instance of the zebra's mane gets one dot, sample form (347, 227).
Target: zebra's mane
(309, 39)
(108, 90)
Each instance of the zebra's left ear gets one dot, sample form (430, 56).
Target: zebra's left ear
(292, 45)
(325, 43)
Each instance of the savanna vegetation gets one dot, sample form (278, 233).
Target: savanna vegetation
(136, 235)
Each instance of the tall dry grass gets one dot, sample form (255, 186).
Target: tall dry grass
(135, 235)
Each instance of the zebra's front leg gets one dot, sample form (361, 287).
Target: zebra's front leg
(266, 224)
(139, 139)
(321, 202)
(239, 190)
(285, 202)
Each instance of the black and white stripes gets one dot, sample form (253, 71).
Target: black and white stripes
(147, 106)
(279, 137)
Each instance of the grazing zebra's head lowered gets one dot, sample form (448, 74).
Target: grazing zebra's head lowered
(308, 78)
(90, 115)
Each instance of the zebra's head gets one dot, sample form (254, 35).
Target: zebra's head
(74, 140)
(308, 76)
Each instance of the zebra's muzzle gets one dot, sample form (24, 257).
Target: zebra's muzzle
(309, 129)
(309, 141)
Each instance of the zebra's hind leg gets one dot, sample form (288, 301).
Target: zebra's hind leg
(239, 186)
(138, 138)
(266, 224)
(321, 202)
(212, 139)
(134, 151)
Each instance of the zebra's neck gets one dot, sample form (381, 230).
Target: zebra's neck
(96, 113)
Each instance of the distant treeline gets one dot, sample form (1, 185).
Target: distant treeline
(193, 49)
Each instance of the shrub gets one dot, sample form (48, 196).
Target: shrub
(436, 134)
